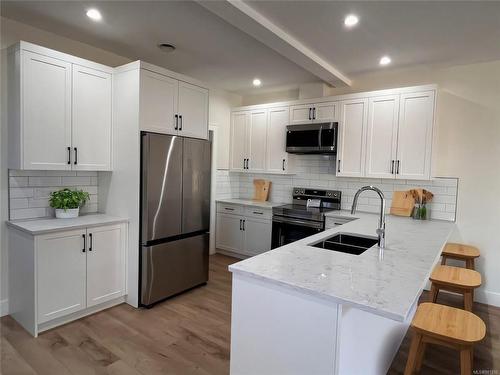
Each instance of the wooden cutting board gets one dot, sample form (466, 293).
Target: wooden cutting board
(402, 203)
(261, 190)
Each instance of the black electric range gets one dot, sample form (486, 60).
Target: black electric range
(305, 216)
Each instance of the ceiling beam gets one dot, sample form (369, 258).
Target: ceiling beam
(244, 17)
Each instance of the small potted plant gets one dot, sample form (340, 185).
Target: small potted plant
(67, 202)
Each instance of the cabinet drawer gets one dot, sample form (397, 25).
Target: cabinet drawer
(257, 212)
(229, 208)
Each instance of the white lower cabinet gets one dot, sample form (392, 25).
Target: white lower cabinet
(243, 232)
(61, 274)
(74, 273)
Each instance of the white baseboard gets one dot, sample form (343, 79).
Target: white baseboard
(4, 307)
(487, 297)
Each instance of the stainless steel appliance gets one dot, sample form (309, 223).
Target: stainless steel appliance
(292, 222)
(312, 138)
(175, 215)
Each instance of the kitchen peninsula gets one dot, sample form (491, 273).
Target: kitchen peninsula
(303, 309)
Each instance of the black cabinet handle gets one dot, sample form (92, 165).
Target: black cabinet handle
(69, 155)
(176, 122)
(241, 221)
(310, 110)
(338, 166)
(392, 167)
(90, 238)
(258, 213)
(397, 167)
(84, 243)
(314, 113)
(283, 164)
(180, 122)
(76, 156)
(244, 224)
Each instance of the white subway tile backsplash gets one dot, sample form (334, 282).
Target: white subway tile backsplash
(319, 171)
(29, 191)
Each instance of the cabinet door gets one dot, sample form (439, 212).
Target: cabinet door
(105, 264)
(229, 233)
(193, 111)
(382, 133)
(239, 124)
(277, 157)
(352, 138)
(46, 112)
(416, 118)
(325, 112)
(301, 114)
(256, 136)
(91, 131)
(257, 236)
(61, 266)
(158, 106)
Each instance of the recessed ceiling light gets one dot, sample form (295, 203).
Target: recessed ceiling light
(166, 47)
(94, 14)
(351, 20)
(385, 60)
(256, 82)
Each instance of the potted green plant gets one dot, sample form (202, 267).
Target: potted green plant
(67, 202)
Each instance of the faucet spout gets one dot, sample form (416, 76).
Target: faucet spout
(381, 224)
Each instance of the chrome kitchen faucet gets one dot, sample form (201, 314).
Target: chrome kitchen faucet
(381, 225)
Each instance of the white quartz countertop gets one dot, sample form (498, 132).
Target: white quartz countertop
(48, 225)
(250, 202)
(387, 286)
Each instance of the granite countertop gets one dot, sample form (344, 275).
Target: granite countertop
(250, 202)
(49, 225)
(387, 286)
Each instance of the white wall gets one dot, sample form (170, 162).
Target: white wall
(12, 32)
(467, 146)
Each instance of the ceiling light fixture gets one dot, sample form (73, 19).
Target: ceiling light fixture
(94, 14)
(385, 60)
(166, 47)
(351, 20)
(256, 82)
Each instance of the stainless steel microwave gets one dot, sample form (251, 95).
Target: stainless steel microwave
(312, 138)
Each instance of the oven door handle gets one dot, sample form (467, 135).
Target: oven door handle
(304, 223)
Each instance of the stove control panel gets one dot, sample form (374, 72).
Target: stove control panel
(328, 198)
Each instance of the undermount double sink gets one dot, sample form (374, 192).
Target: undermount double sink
(347, 243)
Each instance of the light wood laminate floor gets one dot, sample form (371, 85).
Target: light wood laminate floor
(187, 334)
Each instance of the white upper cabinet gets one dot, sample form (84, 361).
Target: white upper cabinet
(416, 118)
(170, 106)
(382, 136)
(158, 97)
(91, 118)
(59, 111)
(325, 112)
(44, 113)
(193, 111)
(238, 150)
(257, 137)
(300, 114)
(276, 156)
(351, 139)
(313, 113)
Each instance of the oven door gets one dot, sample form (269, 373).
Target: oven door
(287, 230)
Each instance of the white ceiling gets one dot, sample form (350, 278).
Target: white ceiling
(411, 32)
(208, 48)
(213, 50)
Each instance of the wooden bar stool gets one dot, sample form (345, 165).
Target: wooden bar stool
(447, 326)
(455, 279)
(458, 251)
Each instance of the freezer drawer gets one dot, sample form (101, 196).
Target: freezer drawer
(172, 267)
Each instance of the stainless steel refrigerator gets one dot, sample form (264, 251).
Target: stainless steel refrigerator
(175, 215)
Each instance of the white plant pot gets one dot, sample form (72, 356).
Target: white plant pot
(70, 213)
